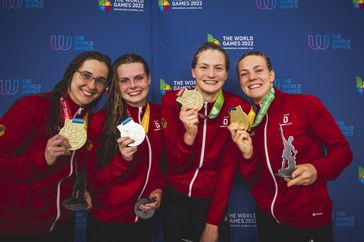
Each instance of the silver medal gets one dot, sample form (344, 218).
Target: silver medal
(133, 130)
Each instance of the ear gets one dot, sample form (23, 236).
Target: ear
(193, 72)
(272, 76)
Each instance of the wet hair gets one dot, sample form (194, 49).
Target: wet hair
(210, 46)
(255, 53)
(64, 85)
(116, 111)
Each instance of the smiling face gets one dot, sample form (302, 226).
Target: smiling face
(83, 93)
(133, 83)
(210, 73)
(255, 78)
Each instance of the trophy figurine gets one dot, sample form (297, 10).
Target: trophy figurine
(77, 201)
(288, 156)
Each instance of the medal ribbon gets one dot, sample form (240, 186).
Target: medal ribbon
(268, 99)
(145, 119)
(217, 106)
(66, 113)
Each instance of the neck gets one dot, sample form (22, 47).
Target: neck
(70, 97)
(258, 102)
(136, 105)
(210, 97)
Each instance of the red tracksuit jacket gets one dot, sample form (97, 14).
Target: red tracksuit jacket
(28, 185)
(305, 119)
(205, 169)
(117, 186)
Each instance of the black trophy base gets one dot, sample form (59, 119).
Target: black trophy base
(73, 205)
(285, 172)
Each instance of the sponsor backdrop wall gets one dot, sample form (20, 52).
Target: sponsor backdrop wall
(316, 46)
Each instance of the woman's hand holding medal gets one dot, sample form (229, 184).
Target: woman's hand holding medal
(155, 197)
(189, 117)
(57, 146)
(125, 149)
(145, 207)
(239, 127)
(132, 134)
(191, 102)
(242, 139)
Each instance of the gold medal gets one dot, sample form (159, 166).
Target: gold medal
(74, 131)
(191, 98)
(237, 115)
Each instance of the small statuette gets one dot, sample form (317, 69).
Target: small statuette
(288, 156)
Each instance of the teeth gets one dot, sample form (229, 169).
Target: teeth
(133, 93)
(87, 93)
(254, 86)
(210, 81)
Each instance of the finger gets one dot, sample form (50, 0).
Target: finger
(59, 141)
(88, 200)
(190, 107)
(55, 141)
(295, 182)
(242, 136)
(128, 149)
(298, 171)
(125, 142)
(300, 179)
(122, 139)
(128, 142)
(130, 153)
(193, 120)
(56, 154)
(66, 144)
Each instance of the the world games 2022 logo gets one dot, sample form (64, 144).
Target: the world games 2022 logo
(163, 5)
(359, 4)
(164, 87)
(104, 5)
(266, 4)
(9, 87)
(12, 4)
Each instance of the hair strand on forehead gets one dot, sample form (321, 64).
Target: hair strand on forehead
(210, 46)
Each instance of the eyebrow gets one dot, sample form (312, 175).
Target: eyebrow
(125, 77)
(254, 67)
(209, 64)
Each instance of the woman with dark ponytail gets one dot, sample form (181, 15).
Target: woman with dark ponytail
(38, 168)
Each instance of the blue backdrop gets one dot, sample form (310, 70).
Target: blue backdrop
(316, 46)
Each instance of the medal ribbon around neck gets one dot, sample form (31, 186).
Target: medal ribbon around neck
(145, 119)
(216, 108)
(268, 99)
(66, 113)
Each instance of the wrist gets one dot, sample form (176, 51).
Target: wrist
(189, 138)
(248, 155)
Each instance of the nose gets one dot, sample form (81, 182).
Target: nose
(251, 76)
(92, 84)
(211, 72)
(132, 84)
